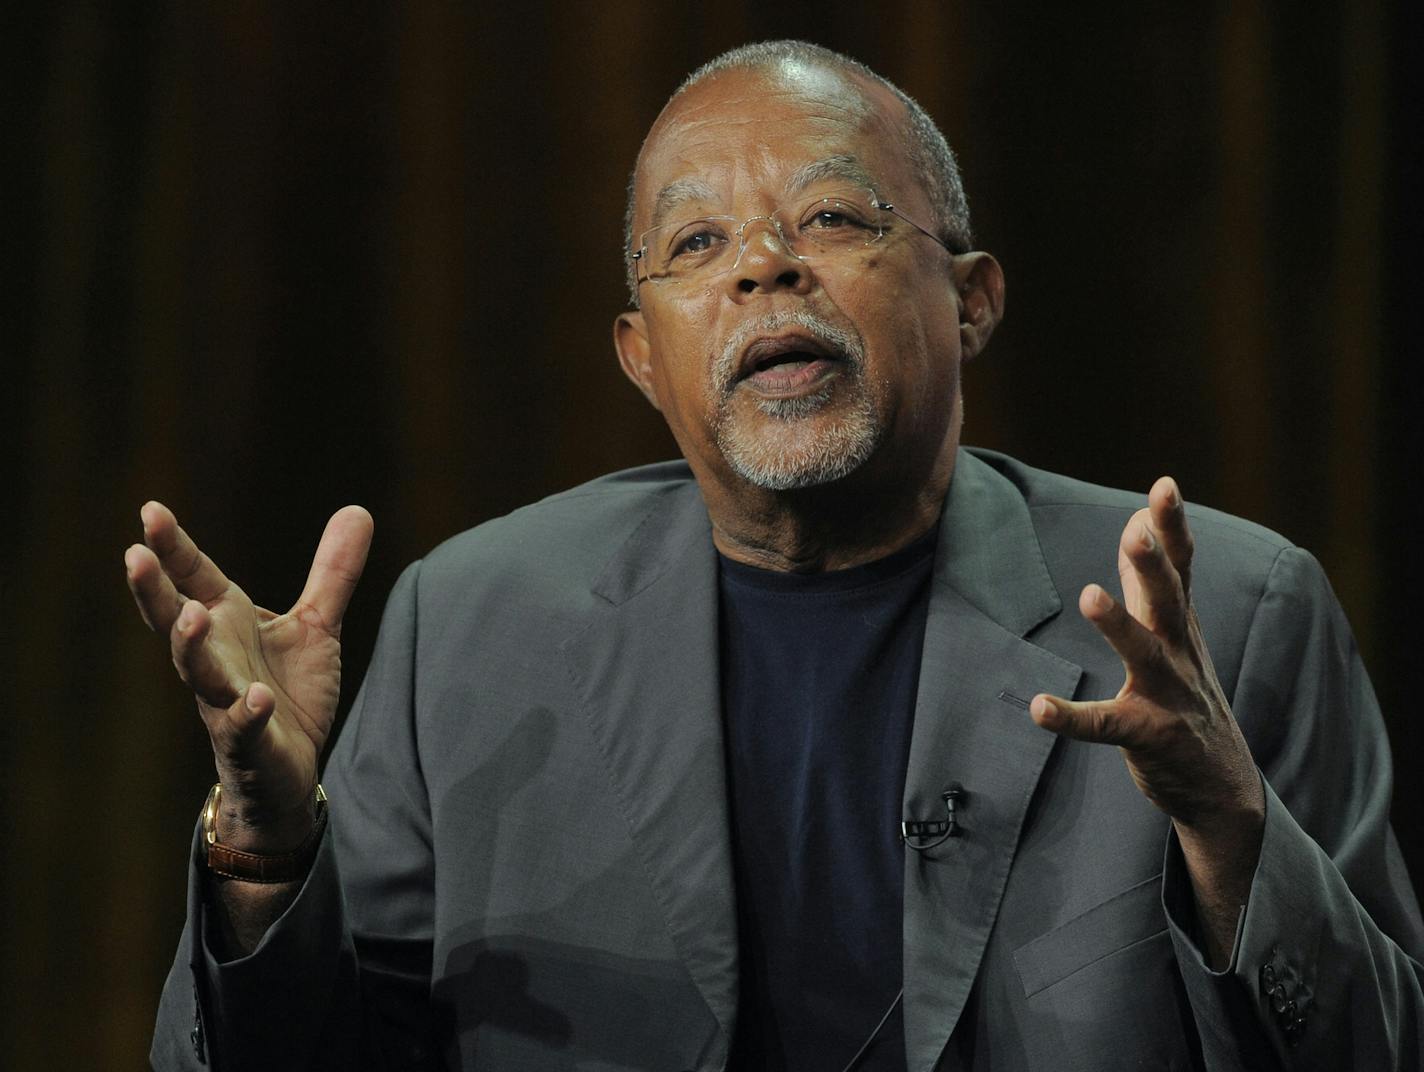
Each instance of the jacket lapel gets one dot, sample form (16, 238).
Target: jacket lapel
(972, 726)
(659, 729)
(659, 734)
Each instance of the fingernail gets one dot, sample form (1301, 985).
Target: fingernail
(1174, 498)
(1102, 600)
(1043, 708)
(249, 701)
(1148, 540)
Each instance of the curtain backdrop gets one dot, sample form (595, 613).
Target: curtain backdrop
(269, 258)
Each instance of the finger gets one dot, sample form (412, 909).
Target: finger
(1099, 721)
(195, 659)
(1156, 600)
(1135, 645)
(1169, 518)
(158, 601)
(192, 572)
(340, 558)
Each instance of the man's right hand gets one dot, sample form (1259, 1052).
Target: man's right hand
(267, 684)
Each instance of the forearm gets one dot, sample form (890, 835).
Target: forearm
(275, 1007)
(241, 913)
(1221, 863)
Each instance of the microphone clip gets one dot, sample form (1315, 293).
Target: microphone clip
(940, 830)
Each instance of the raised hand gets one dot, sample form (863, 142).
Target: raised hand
(267, 684)
(1170, 718)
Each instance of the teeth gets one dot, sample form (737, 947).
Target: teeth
(793, 357)
(767, 354)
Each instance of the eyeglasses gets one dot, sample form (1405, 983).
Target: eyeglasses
(816, 229)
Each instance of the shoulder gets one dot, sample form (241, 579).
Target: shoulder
(550, 551)
(1251, 587)
(1073, 517)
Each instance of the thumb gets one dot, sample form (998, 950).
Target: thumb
(249, 715)
(1098, 721)
(235, 729)
(340, 558)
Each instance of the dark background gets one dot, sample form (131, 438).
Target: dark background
(265, 259)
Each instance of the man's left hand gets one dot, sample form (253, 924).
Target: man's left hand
(1170, 718)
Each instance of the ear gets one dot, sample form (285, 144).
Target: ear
(981, 299)
(630, 339)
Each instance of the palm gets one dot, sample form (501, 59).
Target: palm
(299, 660)
(267, 684)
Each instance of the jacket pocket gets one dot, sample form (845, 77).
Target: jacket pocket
(1132, 916)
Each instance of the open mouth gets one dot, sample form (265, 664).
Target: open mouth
(786, 365)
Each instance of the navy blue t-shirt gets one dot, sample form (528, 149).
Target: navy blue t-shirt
(819, 673)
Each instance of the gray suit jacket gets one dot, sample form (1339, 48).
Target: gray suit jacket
(528, 863)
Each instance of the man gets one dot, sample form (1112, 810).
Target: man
(624, 785)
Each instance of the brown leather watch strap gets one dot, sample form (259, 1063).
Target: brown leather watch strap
(253, 867)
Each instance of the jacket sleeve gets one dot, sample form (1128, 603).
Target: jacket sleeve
(341, 980)
(1325, 973)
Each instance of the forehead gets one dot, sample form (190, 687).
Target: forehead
(744, 132)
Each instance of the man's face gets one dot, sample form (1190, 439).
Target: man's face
(786, 372)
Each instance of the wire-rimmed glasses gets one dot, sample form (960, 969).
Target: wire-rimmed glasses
(697, 251)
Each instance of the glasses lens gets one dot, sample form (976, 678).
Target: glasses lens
(702, 247)
(840, 224)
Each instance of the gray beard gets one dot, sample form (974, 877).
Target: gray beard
(794, 452)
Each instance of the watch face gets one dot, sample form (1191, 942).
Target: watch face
(210, 814)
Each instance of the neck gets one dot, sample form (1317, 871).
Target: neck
(861, 518)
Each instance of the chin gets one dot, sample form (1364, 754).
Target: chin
(799, 446)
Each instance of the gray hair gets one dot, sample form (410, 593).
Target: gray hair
(929, 153)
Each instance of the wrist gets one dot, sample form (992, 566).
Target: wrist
(1230, 828)
(278, 851)
(239, 823)
(1221, 857)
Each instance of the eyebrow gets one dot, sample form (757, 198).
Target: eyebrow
(677, 193)
(841, 166)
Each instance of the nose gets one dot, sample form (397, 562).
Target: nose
(765, 261)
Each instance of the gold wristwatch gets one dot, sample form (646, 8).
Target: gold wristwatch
(253, 867)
